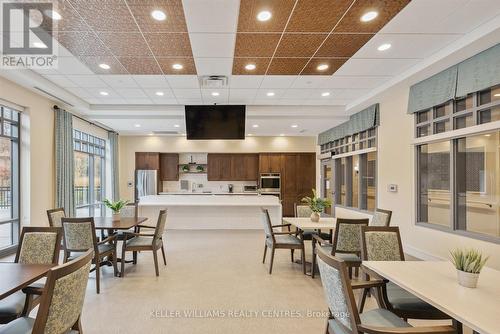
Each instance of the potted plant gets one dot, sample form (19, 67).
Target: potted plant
(185, 168)
(317, 205)
(115, 207)
(468, 263)
(199, 169)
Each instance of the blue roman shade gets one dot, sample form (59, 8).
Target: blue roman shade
(361, 121)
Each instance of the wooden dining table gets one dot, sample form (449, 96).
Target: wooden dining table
(124, 223)
(17, 276)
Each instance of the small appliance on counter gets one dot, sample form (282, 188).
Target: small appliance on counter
(230, 188)
(250, 189)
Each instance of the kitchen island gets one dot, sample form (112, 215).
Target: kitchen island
(212, 211)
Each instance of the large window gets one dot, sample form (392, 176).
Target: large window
(90, 153)
(9, 179)
(458, 179)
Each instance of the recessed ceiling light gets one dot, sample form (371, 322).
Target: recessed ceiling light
(160, 93)
(137, 125)
(282, 134)
(176, 125)
(104, 66)
(249, 134)
(39, 45)
(325, 94)
(250, 67)
(295, 126)
(488, 135)
(497, 95)
(368, 16)
(103, 93)
(215, 93)
(384, 47)
(177, 66)
(264, 15)
(270, 94)
(151, 134)
(53, 15)
(158, 15)
(322, 67)
(255, 126)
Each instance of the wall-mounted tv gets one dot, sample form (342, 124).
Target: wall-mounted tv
(215, 122)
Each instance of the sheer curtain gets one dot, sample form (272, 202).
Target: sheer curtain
(113, 145)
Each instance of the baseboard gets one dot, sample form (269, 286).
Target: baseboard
(421, 255)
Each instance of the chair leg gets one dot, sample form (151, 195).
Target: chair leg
(163, 254)
(356, 271)
(303, 258)
(350, 272)
(362, 300)
(291, 253)
(265, 251)
(97, 275)
(77, 326)
(155, 257)
(122, 274)
(115, 263)
(134, 255)
(313, 264)
(272, 260)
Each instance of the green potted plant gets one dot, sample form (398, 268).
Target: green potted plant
(200, 169)
(185, 168)
(468, 263)
(115, 207)
(316, 204)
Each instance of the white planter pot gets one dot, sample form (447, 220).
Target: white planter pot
(469, 280)
(116, 216)
(315, 217)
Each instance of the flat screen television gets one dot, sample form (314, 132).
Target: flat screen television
(215, 122)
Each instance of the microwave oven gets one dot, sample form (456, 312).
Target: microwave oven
(270, 182)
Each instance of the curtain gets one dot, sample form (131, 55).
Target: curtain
(358, 122)
(64, 161)
(113, 144)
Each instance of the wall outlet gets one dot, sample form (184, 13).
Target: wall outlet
(393, 188)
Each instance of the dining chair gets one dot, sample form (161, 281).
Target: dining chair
(381, 217)
(37, 245)
(346, 243)
(344, 316)
(61, 302)
(304, 211)
(79, 236)
(137, 241)
(55, 216)
(384, 244)
(280, 240)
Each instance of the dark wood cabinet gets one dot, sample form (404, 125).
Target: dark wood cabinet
(270, 162)
(169, 166)
(147, 160)
(232, 167)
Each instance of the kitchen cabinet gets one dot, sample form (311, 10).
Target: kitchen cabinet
(232, 167)
(169, 166)
(147, 160)
(218, 167)
(270, 162)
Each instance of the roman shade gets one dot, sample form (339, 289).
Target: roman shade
(433, 91)
(479, 72)
(361, 121)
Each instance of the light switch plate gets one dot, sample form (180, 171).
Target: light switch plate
(393, 188)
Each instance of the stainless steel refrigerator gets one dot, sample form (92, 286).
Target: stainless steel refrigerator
(146, 183)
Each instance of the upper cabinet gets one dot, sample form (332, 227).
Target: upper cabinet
(169, 166)
(232, 167)
(147, 160)
(270, 162)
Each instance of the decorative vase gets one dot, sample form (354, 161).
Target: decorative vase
(468, 280)
(116, 216)
(315, 217)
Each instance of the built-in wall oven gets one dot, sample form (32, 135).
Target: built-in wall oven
(270, 183)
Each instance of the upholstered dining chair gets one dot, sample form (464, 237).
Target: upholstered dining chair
(280, 240)
(136, 242)
(346, 243)
(79, 236)
(55, 216)
(381, 217)
(61, 302)
(37, 245)
(384, 244)
(344, 316)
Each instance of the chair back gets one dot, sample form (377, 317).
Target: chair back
(79, 234)
(338, 292)
(347, 238)
(303, 211)
(129, 210)
(381, 217)
(268, 227)
(39, 245)
(381, 243)
(55, 216)
(160, 225)
(62, 299)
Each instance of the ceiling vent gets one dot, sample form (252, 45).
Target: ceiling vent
(214, 81)
(166, 132)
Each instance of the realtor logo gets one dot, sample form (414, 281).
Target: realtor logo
(26, 42)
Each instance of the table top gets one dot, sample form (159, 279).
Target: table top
(123, 224)
(436, 283)
(308, 224)
(16, 276)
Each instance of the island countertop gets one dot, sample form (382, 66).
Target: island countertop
(209, 200)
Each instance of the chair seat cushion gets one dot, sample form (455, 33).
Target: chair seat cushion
(377, 317)
(403, 300)
(12, 305)
(284, 239)
(343, 256)
(141, 241)
(103, 248)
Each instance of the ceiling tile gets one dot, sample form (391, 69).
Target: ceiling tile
(317, 15)
(187, 93)
(278, 81)
(150, 81)
(132, 100)
(71, 65)
(240, 94)
(310, 81)
(164, 100)
(299, 45)
(347, 93)
(206, 94)
(125, 44)
(167, 93)
(261, 65)
(190, 101)
(80, 92)
(376, 67)
(212, 45)
(343, 45)
(386, 9)
(245, 81)
(333, 65)
(354, 81)
(183, 81)
(249, 9)
(96, 92)
(213, 66)
(256, 45)
(93, 63)
(262, 94)
(70, 19)
(286, 66)
(114, 101)
(140, 65)
(169, 44)
(211, 16)
(82, 43)
(113, 15)
(175, 21)
(131, 93)
(61, 80)
(188, 66)
(297, 93)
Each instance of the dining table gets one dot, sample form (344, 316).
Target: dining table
(17, 276)
(436, 283)
(123, 223)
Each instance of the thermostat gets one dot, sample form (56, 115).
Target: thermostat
(393, 188)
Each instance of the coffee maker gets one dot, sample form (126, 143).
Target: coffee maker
(230, 187)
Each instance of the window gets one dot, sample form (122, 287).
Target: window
(89, 174)
(9, 179)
